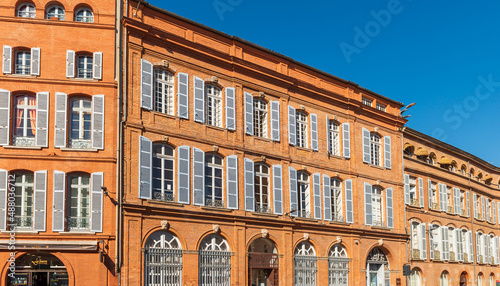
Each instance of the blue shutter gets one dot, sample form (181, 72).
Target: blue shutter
(232, 182)
(7, 59)
(368, 204)
(183, 174)
(387, 151)
(145, 167)
(407, 188)
(317, 195)
(198, 177)
(328, 135)
(70, 63)
(474, 206)
(60, 120)
(275, 120)
(248, 113)
(348, 201)
(230, 109)
(292, 123)
(40, 200)
(314, 132)
(58, 203)
(4, 117)
(346, 140)
(366, 146)
(199, 99)
(98, 121)
(35, 61)
(146, 85)
(3, 198)
(327, 198)
(249, 185)
(278, 189)
(293, 191)
(97, 65)
(42, 119)
(183, 95)
(96, 202)
(421, 191)
(390, 215)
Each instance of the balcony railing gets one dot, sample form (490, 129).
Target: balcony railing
(437, 255)
(414, 202)
(462, 212)
(262, 209)
(466, 257)
(214, 203)
(378, 223)
(78, 223)
(22, 69)
(480, 261)
(80, 143)
(452, 256)
(450, 209)
(415, 254)
(84, 73)
(23, 221)
(337, 217)
(435, 206)
(164, 197)
(304, 214)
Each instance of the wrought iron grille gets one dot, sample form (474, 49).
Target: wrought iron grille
(304, 214)
(262, 208)
(23, 221)
(75, 223)
(163, 267)
(263, 260)
(338, 271)
(80, 143)
(305, 270)
(215, 268)
(165, 197)
(215, 203)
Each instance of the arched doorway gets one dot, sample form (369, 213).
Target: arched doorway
(463, 279)
(162, 259)
(263, 263)
(39, 269)
(377, 269)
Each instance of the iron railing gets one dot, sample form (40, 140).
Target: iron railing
(162, 267)
(215, 203)
(78, 223)
(214, 268)
(338, 271)
(262, 208)
(23, 221)
(164, 197)
(305, 270)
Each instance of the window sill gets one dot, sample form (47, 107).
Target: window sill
(304, 148)
(76, 232)
(377, 166)
(215, 127)
(166, 115)
(83, 79)
(414, 206)
(23, 147)
(78, 150)
(21, 75)
(330, 155)
(21, 232)
(380, 227)
(165, 203)
(339, 222)
(208, 208)
(264, 139)
(265, 214)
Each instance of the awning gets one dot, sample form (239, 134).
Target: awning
(422, 152)
(445, 161)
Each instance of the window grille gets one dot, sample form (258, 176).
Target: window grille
(162, 260)
(305, 267)
(214, 262)
(338, 266)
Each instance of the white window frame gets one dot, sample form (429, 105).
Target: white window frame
(210, 163)
(302, 130)
(261, 190)
(59, 12)
(337, 200)
(435, 195)
(23, 218)
(338, 266)
(214, 262)
(414, 199)
(81, 142)
(84, 71)
(162, 260)
(164, 193)
(375, 151)
(378, 206)
(367, 102)
(79, 188)
(213, 105)
(381, 107)
(29, 13)
(24, 139)
(22, 62)
(260, 116)
(303, 195)
(164, 91)
(334, 135)
(305, 265)
(87, 17)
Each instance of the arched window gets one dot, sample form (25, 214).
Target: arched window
(213, 181)
(80, 122)
(163, 172)
(84, 15)
(471, 173)
(305, 265)
(24, 120)
(337, 200)
(418, 241)
(213, 105)
(415, 279)
(480, 279)
(408, 149)
(304, 202)
(262, 188)
(338, 266)
(334, 138)
(432, 159)
(162, 260)
(23, 215)
(491, 281)
(463, 170)
(377, 266)
(301, 129)
(164, 92)
(375, 149)
(480, 176)
(55, 11)
(260, 118)
(26, 10)
(214, 262)
(79, 202)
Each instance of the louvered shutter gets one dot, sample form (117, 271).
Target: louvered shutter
(70, 63)
(199, 99)
(445, 197)
(249, 185)
(467, 204)
(314, 132)
(348, 201)
(423, 249)
(293, 191)
(429, 192)
(232, 182)
(35, 62)
(407, 188)
(4, 117)
(387, 151)
(183, 95)
(498, 209)
(198, 177)
(7, 59)
(40, 200)
(97, 66)
(59, 194)
(317, 195)
(328, 139)
(471, 247)
(96, 205)
(456, 202)
(230, 109)
(444, 242)
(421, 191)
(346, 140)
(441, 199)
(292, 126)
(42, 119)
(496, 250)
(474, 205)
(248, 113)
(457, 244)
(389, 202)
(3, 198)
(483, 208)
(278, 189)
(494, 211)
(431, 242)
(98, 122)
(145, 168)
(275, 120)
(366, 146)
(487, 249)
(146, 85)
(60, 120)
(327, 199)
(368, 204)
(183, 174)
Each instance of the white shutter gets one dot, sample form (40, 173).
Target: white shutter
(35, 62)
(366, 146)
(248, 113)
(458, 255)
(230, 109)
(348, 201)
(429, 192)
(60, 120)
(145, 168)
(474, 206)
(328, 140)
(98, 121)
(494, 211)
(495, 251)
(387, 151)
(292, 129)
(183, 95)
(97, 66)
(249, 185)
(293, 191)
(198, 177)
(317, 195)
(278, 189)
(421, 191)
(407, 188)
(471, 246)
(59, 194)
(7, 59)
(346, 140)
(389, 202)
(431, 242)
(483, 208)
(445, 243)
(96, 202)
(146, 85)
(498, 209)
(3, 198)
(232, 182)
(275, 120)
(4, 117)
(70, 63)
(314, 132)
(423, 239)
(441, 198)
(40, 200)
(368, 204)
(42, 119)
(183, 174)
(456, 201)
(467, 204)
(199, 99)
(478, 247)
(327, 199)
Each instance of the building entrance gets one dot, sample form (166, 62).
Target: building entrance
(39, 269)
(263, 263)
(377, 269)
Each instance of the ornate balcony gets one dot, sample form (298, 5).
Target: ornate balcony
(214, 203)
(304, 214)
(262, 209)
(23, 221)
(452, 256)
(414, 202)
(435, 206)
(415, 254)
(437, 255)
(379, 223)
(466, 257)
(78, 223)
(23, 141)
(164, 197)
(462, 212)
(337, 217)
(450, 209)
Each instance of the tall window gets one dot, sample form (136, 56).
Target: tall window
(449, 198)
(415, 279)
(262, 188)
(443, 280)
(23, 62)
(305, 265)
(260, 118)
(163, 172)
(434, 199)
(84, 66)
(301, 129)
(164, 92)
(463, 204)
(214, 262)
(80, 123)
(79, 202)
(23, 196)
(304, 198)
(162, 260)
(55, 11)
(26, 10)
(377, 206)
(213, 181)
(434, 242)
(338, 266)
(491, 281)
(84, 15)
(24, 120)
(334, 142)
(413, 192)
(480, 279)
(337, 202)
(375, 149)
(213, 108)
(415, 242)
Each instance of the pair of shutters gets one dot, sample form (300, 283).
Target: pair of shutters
(39, 199)
(420, 191)
(96, 64)
(443, 197)
(292, 128)
(34, 60)
(59, 201)
(445, 247)
(367, 156)
(422, 240)
(459, 245)
(369, 206)
(327, 201)
(275, 117)
(61, 118)
(250, 190)
(199, 103)
(346, 137)
(42, 118)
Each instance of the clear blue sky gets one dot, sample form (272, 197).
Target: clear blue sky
(443, 55)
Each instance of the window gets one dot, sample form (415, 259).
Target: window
(366, 101)
(463, 170)
(162, 260)
(463, 203)
(55, 11)
(84, 15)
(304, 196)
(214, 262)
(491, 281)
(80, 123)
(301, 129)
(415, 279)
(337, 202)
(480, 279)
(434, 193)
(24, 120)
(377, 206)
(443, 280)
(164, 92)
(260, 118)
(452, 243)
(79, 202)
(334, 136)
(23, 215)
(418, 241)
(449, 199)
(262, 189)
(381, 107)
(434, 242)
(163, 173)
(213, 105)
(432, 159)
(375, 149)
(413, 192)
(338, 266)
(23, 62)
(305, 267)
(84, 66)
(480, 248)
(26, 10)
(213, 181)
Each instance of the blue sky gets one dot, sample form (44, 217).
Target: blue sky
(443, 55)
